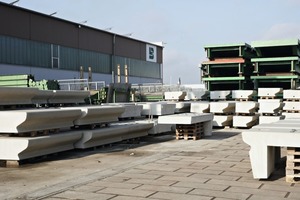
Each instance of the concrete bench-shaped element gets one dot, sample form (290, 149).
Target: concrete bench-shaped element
(42, 97)
(291, 106)
(222, 120)
(219, 95)
(291, 94)
(270, 106)
(263, 142)
(243, 94)
(20, 121)
(200, 107)
(178, 95)
(189, 118)
(20, 148)
(196, 95)
(182, 107)
(17, 95)
(245, 121)
(247, 107)
(115, 133)
(66, 96)
(269, 92)
(222, 107)
(132, 110)
(157, 109)
(97, 114)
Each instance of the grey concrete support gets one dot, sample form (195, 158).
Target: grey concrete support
(17, 95)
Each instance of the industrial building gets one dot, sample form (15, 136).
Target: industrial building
(52, 48)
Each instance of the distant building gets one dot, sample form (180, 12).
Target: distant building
(53, 48)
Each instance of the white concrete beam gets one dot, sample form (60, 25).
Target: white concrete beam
(157, 109)
(222, 107)
(245, 121)
(200, 107)
(220, 95)
(243, 94)
(176, 96)
(269, 92)
(291, 94)
(222, 120)
(247, 107)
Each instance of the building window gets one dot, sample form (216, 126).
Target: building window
(55, 56)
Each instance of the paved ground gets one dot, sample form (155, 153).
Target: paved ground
(157, 168)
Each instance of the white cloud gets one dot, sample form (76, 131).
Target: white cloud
(282, 31)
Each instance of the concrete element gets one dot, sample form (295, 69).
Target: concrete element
(97, 114)
(197, 95)
(19, 148)
(115, 133)
(177, 96)
(247, 107)
(270, 106)
(245, 121)
(269, 119)
(66, 96)
(290, 115)
(200, 107)
(291, 106)
(243, 94)
(132, 110)
(222, 107)
(189, 118)
(157, 128)
(157, 108)
(223, 120)
(269, 92)
(42, 96)
(263, 142)
(19, 121)
(16, 95)
(182, 107)
(291, 94)
(219, 95)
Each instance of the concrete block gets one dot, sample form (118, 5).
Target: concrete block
(269, 119)
(245, 121)
(157, 108)
(246, 107)
(269, 92)
(243, 94)
(97, 114)
(177, 96)
(223, 120)
(20, 121)
(219, 95)
(17, 95)
(114, 133)
(291, 94)
(189, 118)
(290, 115)
(200, 107)
(19, 148)
(42, 97)
(182, 107)
(222, 107)
(291, 105)
(158, 128)
(263, 143)
(66, 96)
(132, 110)
(270, 106)
(197, 95)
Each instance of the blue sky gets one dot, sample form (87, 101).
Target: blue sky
(184, 25)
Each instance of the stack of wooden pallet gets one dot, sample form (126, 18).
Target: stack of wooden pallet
(293, 165)
(189, 131)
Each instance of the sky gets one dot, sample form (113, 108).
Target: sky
(184, 26)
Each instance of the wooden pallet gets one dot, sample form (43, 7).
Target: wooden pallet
(267, 97)
(243, 99)
(293, 165)
(293, 100)
(291, 111)
(189, 131)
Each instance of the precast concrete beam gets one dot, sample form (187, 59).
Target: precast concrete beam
(176, 96)
(245, 121)
(20, 121)
(189, 118)
(220, 95)
(263, 142)
(67, 96)
(291, 94)
(17, 95)
(132, 110)
(223, 120)
(157, 108)
(243, 94)
(19, 148)
(269, 119)
(222, 107)
(269, 92)
(271, 106)
(182, 107)
(246, 107)
(200, 107)
(97, 114)
(115, 133)
(42, 97)
(291, 106)
(289, 115)
(196, 95)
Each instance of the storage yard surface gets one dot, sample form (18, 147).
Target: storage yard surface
(158, 167)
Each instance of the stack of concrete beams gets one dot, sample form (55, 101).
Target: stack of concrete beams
(222, 108)
(277, 64)
(270, 105)
(291, 108)
(245, 109)
(229, 67)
